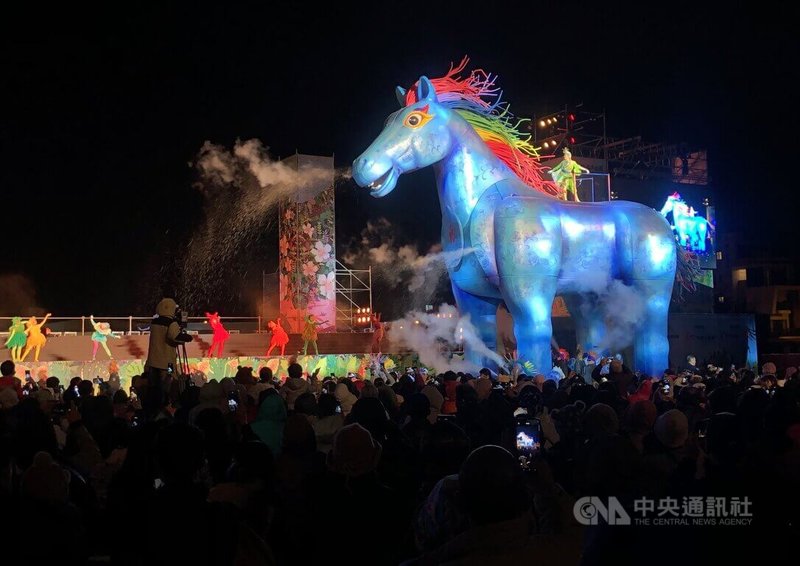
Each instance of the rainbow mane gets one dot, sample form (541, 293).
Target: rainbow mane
(476, 99)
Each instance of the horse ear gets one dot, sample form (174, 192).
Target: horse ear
(425, 90)
(400, 93)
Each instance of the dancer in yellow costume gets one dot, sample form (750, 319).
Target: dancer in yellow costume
(310, 333)
(564, 175)
(36, 339)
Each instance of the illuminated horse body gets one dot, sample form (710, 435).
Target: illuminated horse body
(692, 230)
(515, 245)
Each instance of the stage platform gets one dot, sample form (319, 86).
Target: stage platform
(79, 348)
(66, 357)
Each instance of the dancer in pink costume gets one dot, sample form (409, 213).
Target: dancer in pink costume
(279, 336)
(220, 334)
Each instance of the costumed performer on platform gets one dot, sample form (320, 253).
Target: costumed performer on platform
(220, 334)
(378, 333)
(36, 338)
(279, 337)
(17, 336)
(102, 331)
(310, 333)
(564, 175)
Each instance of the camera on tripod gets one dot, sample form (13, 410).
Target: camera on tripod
(182, 320)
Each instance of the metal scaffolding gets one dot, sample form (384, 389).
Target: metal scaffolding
(353, 296)
(584, 132)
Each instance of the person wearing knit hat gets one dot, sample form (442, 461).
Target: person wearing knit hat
(270, 422)
(355, 453)
(8, 398)
(484, 387)
(44, 396)
(600, 419)
(345, 398)
(45, 481)
(638, 422)
(211, 396)
(672, 429)
(292, 389)
(368, 390)
(436, 400)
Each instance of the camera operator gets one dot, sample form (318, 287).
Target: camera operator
(167, 332)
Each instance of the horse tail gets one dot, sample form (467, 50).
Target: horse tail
(687, 270)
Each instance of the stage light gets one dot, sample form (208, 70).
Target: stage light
(542, 124)
(571, 140)
(416, 322)
(572, 117)
(547, 144)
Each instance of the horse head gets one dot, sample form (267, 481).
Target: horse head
(414, 137)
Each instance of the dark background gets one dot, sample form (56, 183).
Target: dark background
(104, 109)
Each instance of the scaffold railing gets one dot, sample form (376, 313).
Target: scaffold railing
(353, 298)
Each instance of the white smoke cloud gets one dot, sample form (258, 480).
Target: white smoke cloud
(400, 265)
(434, 336)
(242, 188)
(623, 308)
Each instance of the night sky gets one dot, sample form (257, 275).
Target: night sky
(104, 111)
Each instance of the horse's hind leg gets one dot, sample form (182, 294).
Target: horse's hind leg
(651, 343)
(483, 316)
(530, 301)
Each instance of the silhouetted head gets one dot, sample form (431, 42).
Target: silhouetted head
(179, 450)
(7, 368)
(491, 487)
(295, 370)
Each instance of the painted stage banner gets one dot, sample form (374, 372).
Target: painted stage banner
(216, 368)
(307, 249)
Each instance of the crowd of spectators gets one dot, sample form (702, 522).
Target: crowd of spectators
(414, 468)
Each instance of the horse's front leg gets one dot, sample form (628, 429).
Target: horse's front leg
(483, 316)
(530, 301)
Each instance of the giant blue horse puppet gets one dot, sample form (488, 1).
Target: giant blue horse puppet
(511, 240)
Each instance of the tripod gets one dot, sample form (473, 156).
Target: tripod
(183, 359)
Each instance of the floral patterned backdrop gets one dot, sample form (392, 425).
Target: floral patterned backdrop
(307, 268)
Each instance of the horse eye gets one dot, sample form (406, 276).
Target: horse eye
(415, 119)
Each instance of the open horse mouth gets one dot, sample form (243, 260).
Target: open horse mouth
(378, 183)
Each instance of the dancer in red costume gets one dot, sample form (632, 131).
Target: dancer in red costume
(220, 334)
(279, 336)
(378, 334)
